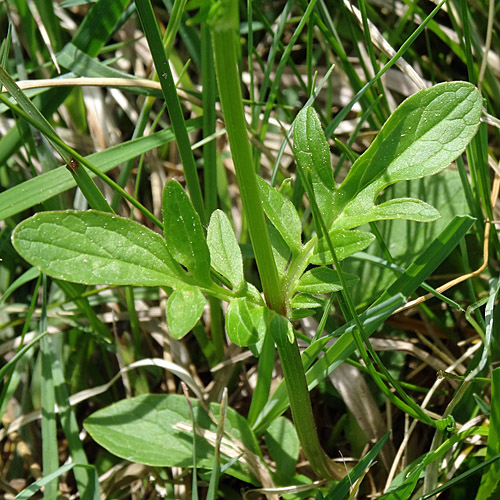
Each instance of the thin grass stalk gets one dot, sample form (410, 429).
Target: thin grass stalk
(50, 454)
(406, 45)
(152, 32)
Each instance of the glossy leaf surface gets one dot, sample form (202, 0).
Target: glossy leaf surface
(184, 233)
(345, 243)
(96, 248)
(282, 214)
(322, 280)
(423, 135)
(245, 323)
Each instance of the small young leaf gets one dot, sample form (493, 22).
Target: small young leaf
(400, 208)
(313, 154)
(281, 251)
(423, 135)
(184, 309)
(225, 253)
(282, 214)
(245, 323)
(322, 280)
(281, 329)
(345, 243)
(306, 301)
(96, 248)
(184, 233)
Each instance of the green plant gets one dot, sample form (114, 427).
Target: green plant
(427, 132)
(301, 250)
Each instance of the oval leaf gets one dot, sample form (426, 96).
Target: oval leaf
(400, 208)
(282, 214)
(184, 233)
(184, 309)
(96, 248)
(156, 430)
(344, 242)
(225, 253)
(245, 323)
(323, 280)
(313, 154)
(425, 134)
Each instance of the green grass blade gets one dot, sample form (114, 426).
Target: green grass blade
(34, 191)
(152, 33)
(50, 454)
(490, 482)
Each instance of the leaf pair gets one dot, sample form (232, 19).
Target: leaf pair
(98, 248)
(424, 135)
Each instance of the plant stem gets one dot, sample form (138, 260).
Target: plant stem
(300, 404)
(225, 50)
(228, 78)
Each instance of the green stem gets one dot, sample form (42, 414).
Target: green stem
(300, 404)
(228, 78)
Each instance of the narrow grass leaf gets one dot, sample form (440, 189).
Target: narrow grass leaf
(98, 24)
(152, 32)
(96, 248)
(225, 253)
(342, 488)
(39, 189)
(42, 482)
(50, 455)
(184, 233)
(490, 481)
(184, 309)
(26, 277)
(83, 477)
(461, 477)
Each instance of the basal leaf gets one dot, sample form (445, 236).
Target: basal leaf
(425, 134)
(283, 445)
(96, 248)
(313, 154)
(184, 309)
(282, 214)
(245, 323)
(322, 280)
(184, 233)
(156, 430)
(225, 253)
(345, 243)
